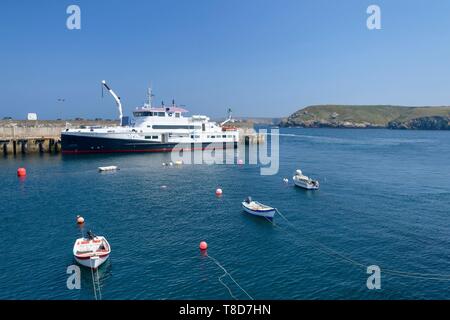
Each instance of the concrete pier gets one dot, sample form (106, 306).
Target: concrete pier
(250, 136)
(24, 145)
(43, 136)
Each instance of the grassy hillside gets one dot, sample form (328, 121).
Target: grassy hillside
(366, 116)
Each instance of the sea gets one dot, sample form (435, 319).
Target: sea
(383, 205)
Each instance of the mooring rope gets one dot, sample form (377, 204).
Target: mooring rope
(228, 288)
(98, 283)
(331, 252)
(226, 273)
(93, 280)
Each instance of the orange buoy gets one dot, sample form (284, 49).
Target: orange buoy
(203, 245)
(80, 220)
(219, 192)
(21, 172)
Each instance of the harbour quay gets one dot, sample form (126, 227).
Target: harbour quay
(38, 136)
(44, 136)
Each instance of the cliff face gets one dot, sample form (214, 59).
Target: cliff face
(374, 116)
(423, 123)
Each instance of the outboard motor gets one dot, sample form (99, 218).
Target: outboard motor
(248, 199)
(91, 235)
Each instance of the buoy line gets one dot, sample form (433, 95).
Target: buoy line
(93, 283)
(331, 252)
(99, 287)
(228, 288)
(96, 286)
(226, 273)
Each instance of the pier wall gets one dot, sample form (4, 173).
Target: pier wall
(22, 137)
(250, 136)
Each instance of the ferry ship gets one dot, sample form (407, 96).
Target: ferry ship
(155, 129)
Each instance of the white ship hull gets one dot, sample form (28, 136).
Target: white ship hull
(156, 129)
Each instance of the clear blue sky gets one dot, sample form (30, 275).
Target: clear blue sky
(261, 58)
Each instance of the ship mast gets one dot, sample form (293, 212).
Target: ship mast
(116, 98)
(150, 95)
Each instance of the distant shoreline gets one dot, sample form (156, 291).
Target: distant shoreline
(370, 117)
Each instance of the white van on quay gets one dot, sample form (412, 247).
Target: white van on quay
(32, 117)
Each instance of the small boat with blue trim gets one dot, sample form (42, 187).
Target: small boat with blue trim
(258, 209)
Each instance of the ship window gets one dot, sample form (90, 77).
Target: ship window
(213, 137)
(154, 137)
(224, 136)
(177, 114)
(161, 114)
(178, 135)
(175, 127)
(142, 114)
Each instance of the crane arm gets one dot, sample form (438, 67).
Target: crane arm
(228, 119)
(116, 98)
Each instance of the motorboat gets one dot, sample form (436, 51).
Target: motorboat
(302, 181)
(91, 251)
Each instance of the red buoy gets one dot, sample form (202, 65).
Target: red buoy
(219, 192)
(21, 172)
(203, 245)
(80, 220)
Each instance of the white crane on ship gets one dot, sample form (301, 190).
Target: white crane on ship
(116, 98)
(229, 117)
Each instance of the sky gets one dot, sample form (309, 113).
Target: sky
(261, 58)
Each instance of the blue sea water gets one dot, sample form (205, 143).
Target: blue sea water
(384, 200)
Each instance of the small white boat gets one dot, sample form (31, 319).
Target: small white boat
(108, 168)
(258, 209)
(304, 182)
(92, 251)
